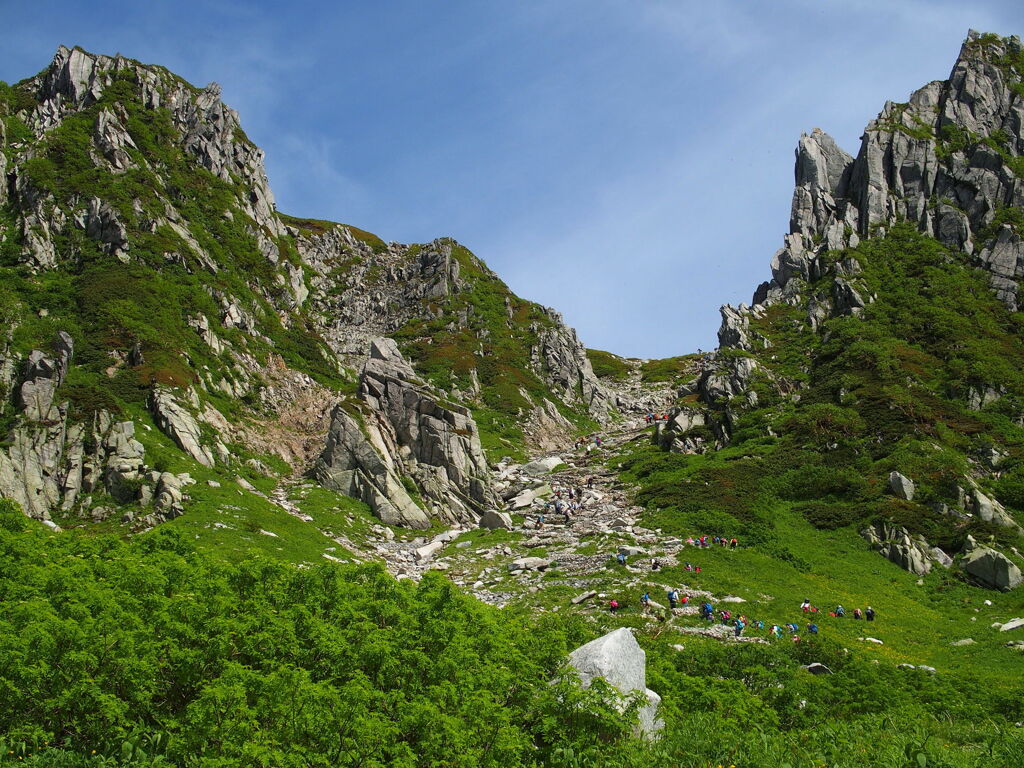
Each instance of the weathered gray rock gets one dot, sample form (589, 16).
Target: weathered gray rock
(992, 569)
(619, 660)
(169, 496)
(43, 375)
(530, 564)
(941, 558)
(177, 423)
(1012, 624)
(495, 520)
(350, 464)
(542, 466)
(991, 511)
(897, 545)
(901, 486)
(427, 551)
(124, 463)
(900, 174)
(526, 497)
(433, 441)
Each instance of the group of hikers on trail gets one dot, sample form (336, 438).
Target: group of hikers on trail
(590, 442)
(652, 417)
(739, 624)
(840, 612)
(718, 541)
(568, 502)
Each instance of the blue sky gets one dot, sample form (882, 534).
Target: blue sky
(628, 162)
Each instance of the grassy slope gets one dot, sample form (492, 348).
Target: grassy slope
(881, 392)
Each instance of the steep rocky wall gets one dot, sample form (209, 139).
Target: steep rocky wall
(175, 190)
(407, 432)
(363, 290)
(949, 160)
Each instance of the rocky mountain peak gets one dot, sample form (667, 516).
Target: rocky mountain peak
(949, 159)
(226, 323)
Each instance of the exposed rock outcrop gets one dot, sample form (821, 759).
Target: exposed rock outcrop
(177, 423)
(350, 464)
(992, 569)
(901, 486)
(911, 553)
(43, 375)
(409, 432)
(385, 287)
(990, 510)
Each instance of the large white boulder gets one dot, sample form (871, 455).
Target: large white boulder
(618, 658)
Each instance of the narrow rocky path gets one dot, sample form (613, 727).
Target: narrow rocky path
(523, 559)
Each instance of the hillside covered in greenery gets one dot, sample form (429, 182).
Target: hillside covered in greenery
(150, 653)
(268, 497)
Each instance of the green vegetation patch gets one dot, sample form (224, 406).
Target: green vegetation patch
(608, 366)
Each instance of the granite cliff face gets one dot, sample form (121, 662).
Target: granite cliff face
(948, 160)
(408, 432)
(154, 285)
(892, 312)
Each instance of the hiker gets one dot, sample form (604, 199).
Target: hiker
(621, 558)
(740, 624)
(793, 628)
(686, 599)
(776, 630)
(673, 598)
(812, 628)
(733, 542)
(869, 614)
(856, 614)
(655, 565)
(540, 521)
(645, 601)
(613, 606)
(689, 541)
(590, 482)
(687, 567)
(696, 569)
(840, 611)
(805, 606)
